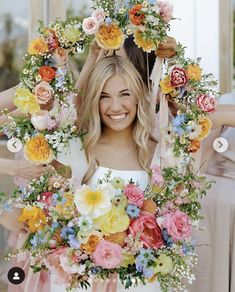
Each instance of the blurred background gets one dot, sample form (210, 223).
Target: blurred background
(206, 27)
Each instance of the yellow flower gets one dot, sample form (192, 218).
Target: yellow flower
(94, 202)
(91, 244)
(72, 34)
(34, 217)
(146, 45)
(117, 183)
(37, 46)
(38, 150)
(109, 37)
(116, 220)
(66, 208)
(166, 86)
(25, 101)
(206, 125)
(163, 264)
(194, 72)
(127, 259)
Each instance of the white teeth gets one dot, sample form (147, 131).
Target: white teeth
(118, 117)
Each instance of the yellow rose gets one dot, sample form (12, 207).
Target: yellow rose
(37, 46)
(194, 72)
(38, 150)
(166, 86)
(66, 209)
(34, 217)
(163, 264)
(25, 101)
(115, 220)
(146, 45)
(206, 125)
(109, 37)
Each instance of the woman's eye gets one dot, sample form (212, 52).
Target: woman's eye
(125, 94)
(104, 96)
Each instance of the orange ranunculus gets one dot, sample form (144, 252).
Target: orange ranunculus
(206, 125)
(194, 146)
(146, 45)
(194, 72)
(166, 86)
(135, 15)
(38, 46)
(38, 150)
(47, 73)
(109, 37)
(91, 244)
(34, 217)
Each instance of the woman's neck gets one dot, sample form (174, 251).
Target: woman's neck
(117, 138)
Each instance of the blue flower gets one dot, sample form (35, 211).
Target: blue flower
(148, 272)
(178, 130)
(133, 211)
(188, 249)
(38, 238)
(167, 238)
(66, 231)
(108, 20)
(178, 121)
(142, 260)
(7, 207)
(54, 225)
(95, 270)
(73, 242)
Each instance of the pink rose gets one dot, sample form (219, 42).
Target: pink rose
(134, 195)
(60, 57)
(206, 103)
(90, 25)
(178, 225)
(150, 232)
(107, 255)
(157, 178)
(99, 15)
(43, 92)
(46, 198)
(166, 10)
(178, 77)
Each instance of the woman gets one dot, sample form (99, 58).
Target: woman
(115, 117)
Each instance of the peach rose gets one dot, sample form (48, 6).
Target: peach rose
(206, 103)
(107, 255)
(178, 225)
(43, 92)
(60, 57)
(150, 232)
(90, 25)
(134, 195)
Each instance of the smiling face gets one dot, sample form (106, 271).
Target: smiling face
(117, 105)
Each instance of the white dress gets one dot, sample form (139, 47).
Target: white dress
(137, 176)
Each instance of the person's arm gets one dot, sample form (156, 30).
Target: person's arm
(6, 99)
(21, 168)
(9, 220)
(167, 49)
(223, 116)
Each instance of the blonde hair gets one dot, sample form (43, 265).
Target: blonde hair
(89, 117)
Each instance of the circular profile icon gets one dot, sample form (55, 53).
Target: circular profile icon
(220, 144)
(16, 275)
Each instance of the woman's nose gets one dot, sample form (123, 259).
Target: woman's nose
(116, 104)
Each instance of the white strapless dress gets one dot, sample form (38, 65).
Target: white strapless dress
(140, 177)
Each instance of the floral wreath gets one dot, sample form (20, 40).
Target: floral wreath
(116, 228)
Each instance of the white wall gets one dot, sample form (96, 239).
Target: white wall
(198, 29)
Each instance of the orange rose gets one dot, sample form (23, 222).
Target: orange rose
(143, 43)
(109, 37)
(38, 150)
(166, 86)
(135, 15)
(194, 146)
(206, 125)
(38, 46)
(91, 244)
(194, 72)
(47, 73)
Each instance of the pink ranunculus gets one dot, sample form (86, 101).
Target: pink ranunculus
(178, 225)
(107, 255)
(206, 103)
(99, 15)
(166, 10)
(43, 92)
(157, 178)
(46, 198)
(60, 57)
(134, 195)
(178, 77)
(90, 25)
(150, 232)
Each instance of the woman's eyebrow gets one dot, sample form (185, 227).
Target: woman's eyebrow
(124, 90)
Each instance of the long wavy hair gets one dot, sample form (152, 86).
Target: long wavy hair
(89, 116)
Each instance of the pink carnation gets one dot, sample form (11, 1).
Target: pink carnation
(165, 9)
(157, 178)
(178, 77)
(134, 195)
(90, 25)
(178, 225)
(150, 232)
(206, 103)
(107, 255)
